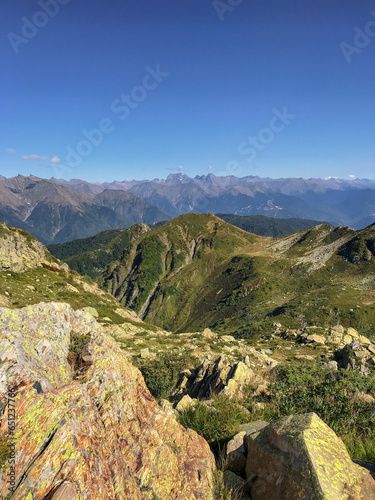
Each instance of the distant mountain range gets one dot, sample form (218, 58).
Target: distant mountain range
(55, 210)
(340, 201)
(54, 213)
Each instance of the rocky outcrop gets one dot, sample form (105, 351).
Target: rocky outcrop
(19, 251)
(352, 350)
(219, 377)
(295, 457)
(337, 335)
(224, 377)
(355, 356)
(300, 457)
(86, 425)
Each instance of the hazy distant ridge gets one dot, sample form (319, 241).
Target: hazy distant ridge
(339, 201)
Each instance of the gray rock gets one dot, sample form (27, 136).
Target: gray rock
(218, 377)
(353, 356)
(92, 311)
(236, 454)
(252, 427)
(330, 365)
(237, 484)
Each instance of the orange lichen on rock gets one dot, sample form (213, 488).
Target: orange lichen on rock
(96, 433)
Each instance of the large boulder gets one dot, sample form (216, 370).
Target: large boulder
(86, 424)
(301, 458)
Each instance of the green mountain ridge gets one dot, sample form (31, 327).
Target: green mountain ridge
(91, 255)
(198, 271)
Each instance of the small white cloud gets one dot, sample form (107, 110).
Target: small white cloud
(35, 157)
(11, 151)
(351, 176)
(210, 167)
(176, 169)
(55, 160)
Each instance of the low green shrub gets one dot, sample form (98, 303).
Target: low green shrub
(78, 343)
(161, 374)
(217, 423)
(221, 490)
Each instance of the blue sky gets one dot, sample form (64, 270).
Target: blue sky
(104, 90)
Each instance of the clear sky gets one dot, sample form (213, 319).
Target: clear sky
(120, 89)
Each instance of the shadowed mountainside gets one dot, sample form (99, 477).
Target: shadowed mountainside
(54, 213)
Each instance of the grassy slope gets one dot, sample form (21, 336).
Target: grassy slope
(252, 282)
(50, 282)
(199, 271)
(180, 256)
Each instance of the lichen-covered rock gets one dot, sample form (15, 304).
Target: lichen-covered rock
(330, 365)
(209, 334)
(92, 311)
(185, 403)
(251, 427)
(239, 376)
(301, 458)
(228, 338)
(87, 426)
(237, 485)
